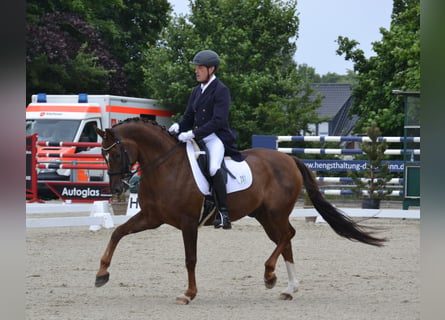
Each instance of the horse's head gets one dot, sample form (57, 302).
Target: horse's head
(118, 160)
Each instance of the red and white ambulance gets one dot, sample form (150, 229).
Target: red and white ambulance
(71, 118)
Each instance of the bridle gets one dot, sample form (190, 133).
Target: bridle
(125, 170)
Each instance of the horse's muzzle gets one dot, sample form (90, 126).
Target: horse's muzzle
(119, 186)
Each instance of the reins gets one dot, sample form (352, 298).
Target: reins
(162, 158)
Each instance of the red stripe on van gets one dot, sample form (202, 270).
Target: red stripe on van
(130, 110)
(58, 108)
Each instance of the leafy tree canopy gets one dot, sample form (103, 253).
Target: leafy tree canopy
(309, 75)
(99, 42)
(252, 38)
(396, 66)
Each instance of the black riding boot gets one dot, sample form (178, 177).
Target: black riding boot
(222, 214)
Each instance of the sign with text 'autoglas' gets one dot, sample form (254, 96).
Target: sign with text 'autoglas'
(80, 191)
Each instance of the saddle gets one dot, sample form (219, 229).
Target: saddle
(202, 160)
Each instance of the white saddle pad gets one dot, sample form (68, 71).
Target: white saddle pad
(241, 171)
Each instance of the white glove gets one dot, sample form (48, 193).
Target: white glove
(186, 136)
(174, 128)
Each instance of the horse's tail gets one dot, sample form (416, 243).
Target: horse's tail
(342, 225)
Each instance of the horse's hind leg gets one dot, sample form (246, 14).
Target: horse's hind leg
(292, 280)
(281, 234)
(135, 224)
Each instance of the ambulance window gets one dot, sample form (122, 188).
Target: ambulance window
(148, 116)
(53, 130)
(88, 133)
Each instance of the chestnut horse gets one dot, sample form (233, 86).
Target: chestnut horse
(169, 194)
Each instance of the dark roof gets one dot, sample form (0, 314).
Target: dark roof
(334, 96)
(342, 124)
(336, 102)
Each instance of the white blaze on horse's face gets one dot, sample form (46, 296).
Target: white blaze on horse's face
(107, 157)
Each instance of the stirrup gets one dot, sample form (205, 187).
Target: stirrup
(224, 223)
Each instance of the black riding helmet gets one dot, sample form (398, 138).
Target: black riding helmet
(206, 58)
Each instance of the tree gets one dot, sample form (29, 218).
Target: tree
(126, 28)
(66, 55)
(332, 77)
(252, 38)
(373, 181)
(309, 75)
(111, 35)
(396, 66)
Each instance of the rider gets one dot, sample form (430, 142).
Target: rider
(206, 118)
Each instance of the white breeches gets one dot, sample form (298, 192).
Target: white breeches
(216, 152)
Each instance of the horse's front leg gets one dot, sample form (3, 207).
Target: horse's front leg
(135, 224)
(190, 238)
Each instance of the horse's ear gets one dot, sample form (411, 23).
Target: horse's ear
(100, 132)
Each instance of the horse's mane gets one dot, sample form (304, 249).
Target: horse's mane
(138, 119)
(145, 121)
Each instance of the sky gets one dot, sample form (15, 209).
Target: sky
(322, 21)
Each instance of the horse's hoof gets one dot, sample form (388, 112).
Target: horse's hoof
(100, 281)
(270, 283)
(286, 296)
(182, 300)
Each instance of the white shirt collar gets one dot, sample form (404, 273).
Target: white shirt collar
(204, 86)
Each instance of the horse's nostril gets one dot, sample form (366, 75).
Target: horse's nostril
(117, 189)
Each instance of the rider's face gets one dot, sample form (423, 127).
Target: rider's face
(202, 73)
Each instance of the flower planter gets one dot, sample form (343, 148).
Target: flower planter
(368, 203)
(119, 208)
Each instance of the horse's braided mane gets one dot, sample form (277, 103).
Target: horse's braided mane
(145, 121)
(138, 119)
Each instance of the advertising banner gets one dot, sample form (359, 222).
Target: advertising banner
(81, 192)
